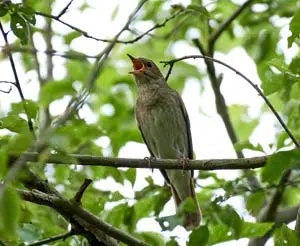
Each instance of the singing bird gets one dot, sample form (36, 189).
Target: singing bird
(164, 124)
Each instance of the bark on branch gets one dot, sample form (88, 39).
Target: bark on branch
(88, 160)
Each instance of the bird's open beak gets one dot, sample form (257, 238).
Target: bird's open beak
(138, 66)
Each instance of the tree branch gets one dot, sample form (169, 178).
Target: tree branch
(17, 82)
(87, 160)
(268, 213)
(131, 41)
(63, 11)
(53, 239)
(83, 187)
(213, 38)
(73, 210)
(286, 215)
(8, 91)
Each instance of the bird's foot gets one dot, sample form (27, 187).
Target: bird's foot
(183, 161)
(149, 159)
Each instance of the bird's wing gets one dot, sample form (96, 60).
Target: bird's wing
(188, 127)
(163, 172)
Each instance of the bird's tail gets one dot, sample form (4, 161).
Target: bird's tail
(191, 219)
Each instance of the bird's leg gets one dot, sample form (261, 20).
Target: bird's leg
(149, 159)
(183, 161)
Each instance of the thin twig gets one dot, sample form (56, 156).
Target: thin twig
(87, 160)
(297, 225)
(53, 239)
(85, 34)
(7, 82)
(83, 187)
(17, 82)
(227, 23)
(63, 11)
(169, 71)
(250, 82)
(67, 55)
(8, 91)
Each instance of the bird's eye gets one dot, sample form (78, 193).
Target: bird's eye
(149, 64)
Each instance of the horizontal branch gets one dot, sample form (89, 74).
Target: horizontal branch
(88, 160)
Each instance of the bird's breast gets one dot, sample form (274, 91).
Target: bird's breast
(163, 125)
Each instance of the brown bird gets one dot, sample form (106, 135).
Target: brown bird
(164, 124)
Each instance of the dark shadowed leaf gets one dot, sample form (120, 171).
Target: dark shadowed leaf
(152, 238)
(19, 28)
(199, 236)
(285, 236)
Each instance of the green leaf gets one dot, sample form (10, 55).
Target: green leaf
(188, 205)
(20, 143)
(19, 28)
(29, 14)
(255, 202)
(116, 196)
(220, 232)
(9, 211)
(55, 90)
(294, 28)
(247, 145)
(278, 162)
(278, 63)
(143, 208)
(172, 242)
(152, 238)
(198, 8)
(130, 175)
(252, 230)
(71, 36)
(231, 218)
(115, 12)
(285, 236)
(199, 236)
(117, 214)
(3, 9)
(61, 173)
(243, 124)
(31, 107)
(3, 163)
(14, 123)
(295, 65)
(272, 83)
(295, 91)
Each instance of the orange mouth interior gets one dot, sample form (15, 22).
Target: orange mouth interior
(138, 65)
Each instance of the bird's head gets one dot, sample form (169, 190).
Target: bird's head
(145, 71)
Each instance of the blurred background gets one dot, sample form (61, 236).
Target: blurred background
(55, 60)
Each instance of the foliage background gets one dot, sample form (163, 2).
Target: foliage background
(255, 37)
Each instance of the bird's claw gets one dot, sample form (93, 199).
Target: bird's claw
(183, 162)
(149, 159)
